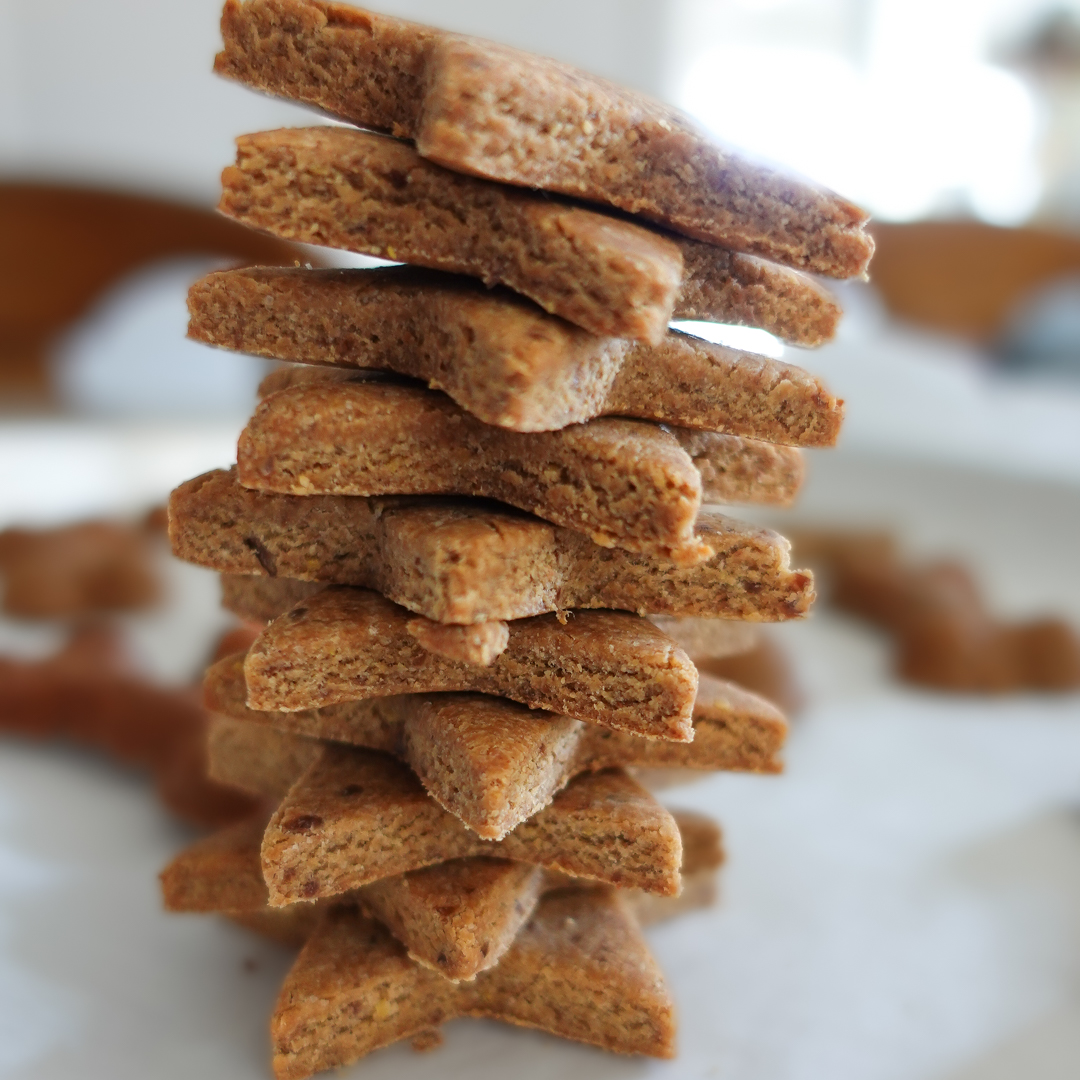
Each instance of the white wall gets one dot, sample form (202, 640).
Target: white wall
(119, 92)
(879, 98)
(899, 104)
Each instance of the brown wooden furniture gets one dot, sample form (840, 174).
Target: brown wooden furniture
(61, 247)
(965, 277)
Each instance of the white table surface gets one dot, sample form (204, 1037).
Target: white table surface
(904, 903)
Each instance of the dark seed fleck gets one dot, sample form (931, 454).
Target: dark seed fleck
(262, 553)
(303, 823)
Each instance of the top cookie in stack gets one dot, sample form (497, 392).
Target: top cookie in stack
(424, 697)
(488, 110)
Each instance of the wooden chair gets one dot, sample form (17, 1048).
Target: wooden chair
(965, 277)
(61, 247)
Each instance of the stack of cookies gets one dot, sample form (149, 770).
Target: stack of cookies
(468, 520)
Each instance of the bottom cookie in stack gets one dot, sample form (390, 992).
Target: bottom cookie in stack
(442, 852)
(375, 859)
(476, 936)
(458, 835)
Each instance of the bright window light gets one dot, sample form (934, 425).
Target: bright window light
(745, 338)
(916, 129)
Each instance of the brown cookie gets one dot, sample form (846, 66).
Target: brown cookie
(494, 111)
(463, 561)
(458, 917)
(945, 635)
(623, 483)
(608, 667)
(357, 816)
(766, 669)
(489, 762)
(91, 567)
(87, 694)
(579, 969)
(350, 189)
(360, 192)
(708, 639)
(502, 358)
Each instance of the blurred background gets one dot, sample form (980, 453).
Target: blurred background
(906, 901)
(955, 122)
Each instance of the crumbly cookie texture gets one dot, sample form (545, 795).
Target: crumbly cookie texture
(478, 644)
(624, 483)
(486, 760)
(361, 192)
(509, 363)
(685, 381)
(610, 668)
(501, 113)
(463, 561)
(357, 816)
(580, 969)
(264, 761)
(220, 872)
(457, 917)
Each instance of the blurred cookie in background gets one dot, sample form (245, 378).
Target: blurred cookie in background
(87, 694)
(86, 568)
(945, 636)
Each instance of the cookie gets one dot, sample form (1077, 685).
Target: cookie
(704, 640)
(946, 637)
(479, 644)
(610, 668)
(505, 360)
(486, 760)
(362, 192)
(263, 599)
(579, 969)
(498, 112)
(458, 917)
(77, 570)
(623, 483)
(766, 669)
(356, 816)
(260, 761)
(86, 694)
(462, 561)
